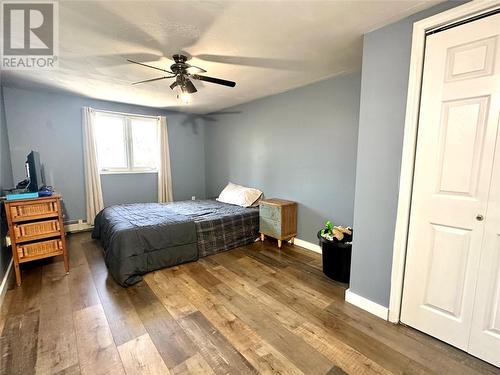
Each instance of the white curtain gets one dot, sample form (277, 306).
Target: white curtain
(93, 191)
(164, 173)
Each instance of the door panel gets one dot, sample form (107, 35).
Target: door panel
(462, 137)
(453, 170)
(485, 331)
(450, 250)
(492, 325)
(471, 60)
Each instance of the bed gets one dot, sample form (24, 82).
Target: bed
(143, 237)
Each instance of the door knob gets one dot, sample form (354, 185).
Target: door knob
(479, 217)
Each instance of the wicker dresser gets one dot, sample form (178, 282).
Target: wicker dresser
(36, 230)
(278, 219)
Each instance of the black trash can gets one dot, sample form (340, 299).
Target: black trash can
(337, 258)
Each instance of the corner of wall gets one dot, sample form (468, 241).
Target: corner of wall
(6, 180)
(366, 304)
(384, 82)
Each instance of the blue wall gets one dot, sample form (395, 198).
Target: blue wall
(51, 124)
(384, 85)
(298, 145)
(137, 188)
(6, 181)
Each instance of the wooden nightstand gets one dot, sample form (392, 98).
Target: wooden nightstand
(278, 219)
(36, 230)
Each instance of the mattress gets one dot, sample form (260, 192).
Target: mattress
(142, 237)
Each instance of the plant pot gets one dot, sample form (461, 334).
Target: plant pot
(336, 258)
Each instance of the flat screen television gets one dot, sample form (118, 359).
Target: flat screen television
(33, 171)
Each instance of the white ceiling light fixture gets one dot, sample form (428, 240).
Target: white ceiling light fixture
(184, 95)
(183, 74)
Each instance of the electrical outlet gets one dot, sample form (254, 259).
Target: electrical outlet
(193, 198)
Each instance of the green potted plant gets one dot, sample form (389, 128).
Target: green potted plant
(336, 246)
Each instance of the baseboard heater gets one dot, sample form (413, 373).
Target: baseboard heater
(74, 226)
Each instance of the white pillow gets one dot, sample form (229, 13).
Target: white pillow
(239, 195)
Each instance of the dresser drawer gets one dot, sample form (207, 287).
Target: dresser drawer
(24, 211)
(36, 230)
(270, 211)
(270, 227)
(39, 249)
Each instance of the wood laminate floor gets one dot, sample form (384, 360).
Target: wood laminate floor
(250, 310)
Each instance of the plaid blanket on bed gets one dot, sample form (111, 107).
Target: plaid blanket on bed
(227, 232)
(220, 226)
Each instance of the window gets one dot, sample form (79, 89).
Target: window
(126, 143)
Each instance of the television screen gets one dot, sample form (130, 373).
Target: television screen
(34, 171)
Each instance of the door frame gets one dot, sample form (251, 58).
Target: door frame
(420, 28)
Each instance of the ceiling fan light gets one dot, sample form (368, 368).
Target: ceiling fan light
(184, 95)
(185, 98)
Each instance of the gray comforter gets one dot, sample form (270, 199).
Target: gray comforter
(142, 237)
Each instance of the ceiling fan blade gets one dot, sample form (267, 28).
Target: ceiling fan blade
(151, 80)
(258, 62)
(149, 66)
(209, 119)
(190, 88)
(195, 69)
(118, 59)
(214, 80)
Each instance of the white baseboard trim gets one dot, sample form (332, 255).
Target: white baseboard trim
(307, 245)
(5, 281)
(367, 305)
(77, 227)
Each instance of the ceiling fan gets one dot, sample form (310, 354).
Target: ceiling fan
(183, 73)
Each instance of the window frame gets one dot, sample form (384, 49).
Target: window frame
(129, 147)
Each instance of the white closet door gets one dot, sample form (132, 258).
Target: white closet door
(485, 335)
(455, 151)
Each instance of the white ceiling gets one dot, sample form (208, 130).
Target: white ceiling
(267, 47)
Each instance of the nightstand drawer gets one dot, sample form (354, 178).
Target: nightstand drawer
(270, 212)
(270, 227)
(33, 210)
(39, 249)
(36, 230)
(278, 219)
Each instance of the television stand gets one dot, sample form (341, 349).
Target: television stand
(36, 230)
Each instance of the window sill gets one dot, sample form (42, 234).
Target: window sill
(128, 172)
